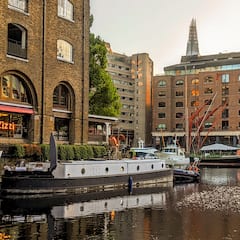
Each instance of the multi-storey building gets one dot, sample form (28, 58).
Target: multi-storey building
(132, 76)
(44, 77)
(198, 100)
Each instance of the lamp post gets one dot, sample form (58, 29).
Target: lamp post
(186, 112)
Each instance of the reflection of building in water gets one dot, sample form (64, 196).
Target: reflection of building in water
(220, 176)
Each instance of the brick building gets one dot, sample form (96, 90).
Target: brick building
(199, 97)
(132, 76)
(44, 77)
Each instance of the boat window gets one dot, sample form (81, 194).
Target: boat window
(106, 169)
(152, 166)
(122, 169)
(83, 171)
(138, 168)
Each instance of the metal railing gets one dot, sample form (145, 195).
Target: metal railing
(15, 49)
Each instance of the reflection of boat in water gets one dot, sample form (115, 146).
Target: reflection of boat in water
(73, 206)
(81, 176)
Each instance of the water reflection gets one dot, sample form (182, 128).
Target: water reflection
(207, 210)
(220, 176)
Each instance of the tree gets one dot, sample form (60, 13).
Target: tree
(103, 96)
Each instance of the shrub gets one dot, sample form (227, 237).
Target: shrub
(45, 149)
(62, 153)
(17, 151)
(89, 152)
(77, 152)
(70, 152)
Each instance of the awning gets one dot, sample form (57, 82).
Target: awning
(6, 108)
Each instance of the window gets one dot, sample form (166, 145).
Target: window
(21, 5)
(162, 126)
(225, 124)
(61, 129)
(208, 125)
(13, 88)
(225, 78)
(162, 83)
(225, 90)
(64, 51)
(225, 113)
(195, 81)
(179, 83)
(194, 103)
(161, 115)
(179, 126)
(161, 104)
(208, 91)
(65, 9)
(179, 115)
(208, 79)
(162, 94)
(17, 41)
(195, 92)
(208, 101)
(61, 97)
(179, 94)
(179, 104)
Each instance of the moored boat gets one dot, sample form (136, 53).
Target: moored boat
(219, 155)
(82, 176)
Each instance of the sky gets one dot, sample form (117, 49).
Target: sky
(161, 27)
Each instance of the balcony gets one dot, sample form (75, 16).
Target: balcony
(15, 49)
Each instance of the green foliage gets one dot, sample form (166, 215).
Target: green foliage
(103, 96)
(62, 152)
(70, 152)
(89, 151)
(17, 151)
(45, 148)
(84, 152)
(99, 151)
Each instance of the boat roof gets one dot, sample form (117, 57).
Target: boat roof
(218, 147)
(145, 150)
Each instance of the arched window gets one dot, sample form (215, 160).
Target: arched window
(61, 97)
(179, 82)
(65, 9)
(64, 51)
(195, 81)
(162, 83)
(17, 40)
(195, 92)
(13, 88)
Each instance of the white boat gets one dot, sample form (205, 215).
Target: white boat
(175, 157)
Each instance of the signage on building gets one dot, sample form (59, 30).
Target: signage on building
(7, 126)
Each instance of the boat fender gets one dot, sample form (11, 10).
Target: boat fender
(130, 184)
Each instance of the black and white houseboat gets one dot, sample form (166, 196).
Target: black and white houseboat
(83, 176)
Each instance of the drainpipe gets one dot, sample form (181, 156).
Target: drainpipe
(43, 69)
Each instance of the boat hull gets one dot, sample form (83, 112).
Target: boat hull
(21, 183)
(185, 176)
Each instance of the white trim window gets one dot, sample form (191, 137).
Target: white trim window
(65, 9)
(64, 51)
(21, 5)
